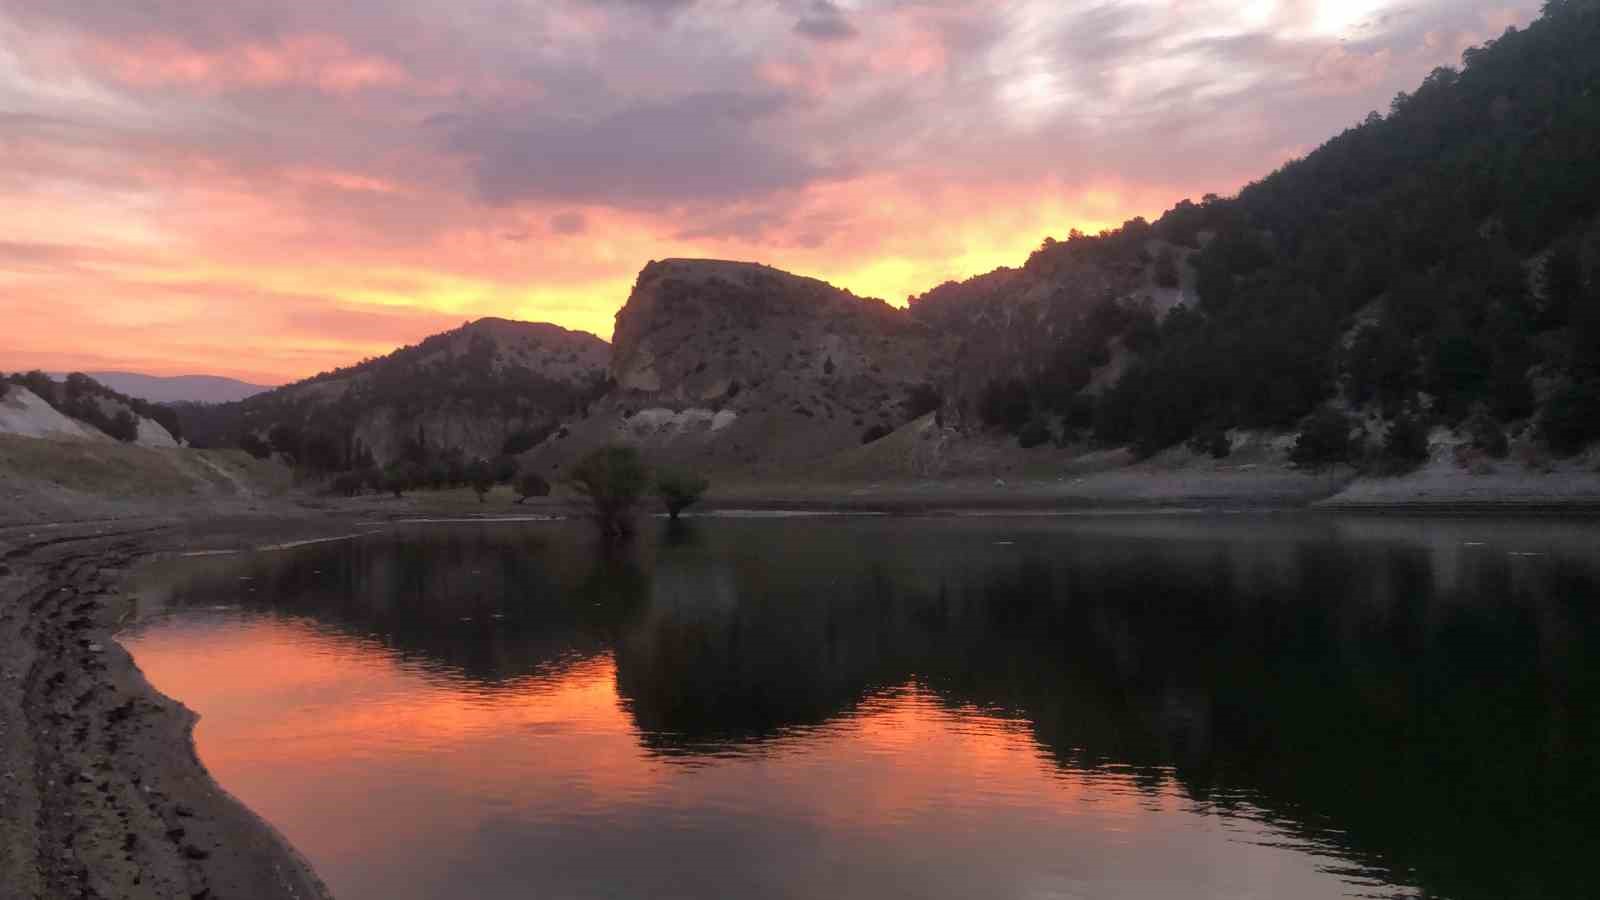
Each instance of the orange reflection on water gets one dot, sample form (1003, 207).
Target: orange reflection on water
(399, 778)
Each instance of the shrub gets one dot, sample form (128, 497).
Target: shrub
(348, 484)
(1080, 413)
(1324, 439)
(401, 477)
(1571, 418)
(165, 416)
(874, 432)
(505, 469)
(252, 444)
(613, 478)
(921, 400)
(1033, 434)
(285, 439)
(522, 441)
(1166, 268)
(531, 484)
(480, 476)
(1485, 434)
(323, 452)
(1406, 444)
(1509, 392)
(1004, 403)
(123, 426)
(436, 476)
(680, 490)
(1211, 441)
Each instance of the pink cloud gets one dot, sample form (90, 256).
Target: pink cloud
(334, 178)
(344, 181)
(899, 45)
(1340, 71)
(323, 62)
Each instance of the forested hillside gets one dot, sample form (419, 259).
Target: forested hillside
(1435, 264)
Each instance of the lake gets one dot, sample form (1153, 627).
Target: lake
(1101, 706)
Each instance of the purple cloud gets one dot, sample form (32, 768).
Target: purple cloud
(824, 21)
(568, 223)
(697, 148)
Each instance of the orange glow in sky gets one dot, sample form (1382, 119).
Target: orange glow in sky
(267, 190)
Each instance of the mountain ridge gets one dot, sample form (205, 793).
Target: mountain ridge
(470, 390)
(176, 388)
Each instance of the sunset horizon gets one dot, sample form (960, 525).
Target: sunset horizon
(789, 449)
(332, 184)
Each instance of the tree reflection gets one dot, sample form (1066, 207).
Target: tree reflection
(1412, 710)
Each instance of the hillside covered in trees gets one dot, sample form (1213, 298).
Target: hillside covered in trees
(1437, 264)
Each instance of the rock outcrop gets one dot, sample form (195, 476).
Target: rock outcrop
(152, 434)
(724, 364)
(26, 414)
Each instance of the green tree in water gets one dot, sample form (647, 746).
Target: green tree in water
(680, 490)
(480, 474)
(531, 484)
(1324, 440)
(613, 478)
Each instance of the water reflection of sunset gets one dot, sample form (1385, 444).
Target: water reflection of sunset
(380, 767)
(1106, 707)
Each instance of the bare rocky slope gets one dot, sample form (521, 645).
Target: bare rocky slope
(25, 413)
(55, 479)
(732, 364)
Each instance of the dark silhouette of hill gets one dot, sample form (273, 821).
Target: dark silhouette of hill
(1433, 262)
(472, 391)
(178, 388)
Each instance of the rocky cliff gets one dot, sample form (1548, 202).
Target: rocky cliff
(737, 364)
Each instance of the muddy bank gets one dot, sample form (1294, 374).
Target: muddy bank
(102, 792)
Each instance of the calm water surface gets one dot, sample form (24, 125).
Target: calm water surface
(1110, 707)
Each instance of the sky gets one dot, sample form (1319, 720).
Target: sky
(266, 189)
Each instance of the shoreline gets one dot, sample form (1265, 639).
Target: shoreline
(105, 792)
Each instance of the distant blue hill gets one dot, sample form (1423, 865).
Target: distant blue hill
(177, 388)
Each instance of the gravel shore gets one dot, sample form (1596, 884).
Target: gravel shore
(102, 793)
